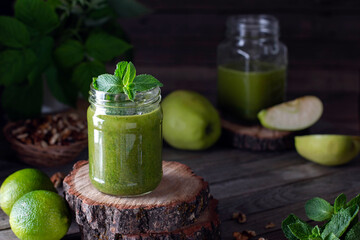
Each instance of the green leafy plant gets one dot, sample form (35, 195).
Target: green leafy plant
(63, 43)
(125, 80)
(341, 220)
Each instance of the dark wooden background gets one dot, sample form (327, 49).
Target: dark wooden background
(177, 43)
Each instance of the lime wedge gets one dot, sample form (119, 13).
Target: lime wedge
(294, 115)
(327, 149)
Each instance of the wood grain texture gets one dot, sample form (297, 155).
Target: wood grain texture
(178, 201)
(256, 137)
(206, 227)
(4, 221)
(166, 39)
(7, 234)
(265, 186)
(303, 6)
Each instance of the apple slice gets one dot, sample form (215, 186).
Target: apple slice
(294, 115)
(327, 149)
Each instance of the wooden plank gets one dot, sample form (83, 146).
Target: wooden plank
(282, 195)
(192, 39)
(278, 235)
(258, 221)
(73, 236)
(210, 28)
(269, 179)
(302, 79)
(290, 203)
(239, 164)
(183, 52)
(245, 6)
(7, 235)
(4, 221)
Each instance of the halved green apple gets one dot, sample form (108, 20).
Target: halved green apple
(328, 149)
(294, 115)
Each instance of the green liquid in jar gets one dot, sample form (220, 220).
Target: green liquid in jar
(125, 152)
(242, 94)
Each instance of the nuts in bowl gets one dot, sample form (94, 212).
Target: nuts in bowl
(51, 140)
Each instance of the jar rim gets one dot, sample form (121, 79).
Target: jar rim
(253, 25)
(121, 99)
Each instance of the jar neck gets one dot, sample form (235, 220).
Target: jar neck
(119, 103)
(252, 27)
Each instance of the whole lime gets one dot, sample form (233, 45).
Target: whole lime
(20, 183)
(40, 215)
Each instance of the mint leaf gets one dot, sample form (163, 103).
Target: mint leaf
(120, 69)
(353, 233)
(22, 100)
(129, 75)
(315, 234)
(340, 221)
(43, 51)
(331, 236)
(104, 47)
(125, 80)
(318, 209)
(354, 201)
(70, 53)
(315, 231)
(128, 78)
(145, 82)
(39, 15)
(83, 75)
(15, 65)
(13, 33)
(340, 202)
(300, 229)
(291, 219)
(108, 83)
(129, 92)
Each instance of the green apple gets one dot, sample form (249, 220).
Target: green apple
(190, 121)
(327, 149)
(294, 115)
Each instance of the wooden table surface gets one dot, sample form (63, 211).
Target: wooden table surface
(265, 186)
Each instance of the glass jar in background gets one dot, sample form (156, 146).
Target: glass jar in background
(125, 142)
(252, 66)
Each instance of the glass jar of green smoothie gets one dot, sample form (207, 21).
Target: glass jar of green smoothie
(125, 142)
(252, 66)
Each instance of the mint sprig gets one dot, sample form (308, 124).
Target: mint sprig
(125, 81)
(341, 221)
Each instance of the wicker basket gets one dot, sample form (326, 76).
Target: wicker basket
(36, 155)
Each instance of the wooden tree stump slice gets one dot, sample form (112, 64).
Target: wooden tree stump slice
(256, 137)
(206, 227)
(176, 202)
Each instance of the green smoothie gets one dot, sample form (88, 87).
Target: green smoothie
(125, 152)
(242, 94)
